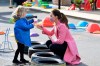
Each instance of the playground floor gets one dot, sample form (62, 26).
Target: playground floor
(88, 44)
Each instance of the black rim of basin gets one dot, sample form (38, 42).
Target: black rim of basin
(48, 61)
(40, 47)
(45, 55)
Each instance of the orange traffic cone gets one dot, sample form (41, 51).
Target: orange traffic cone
(98, 4)
(87, 6)
(72, 7)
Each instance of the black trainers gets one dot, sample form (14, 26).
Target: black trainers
(24, 61)
(16, 62)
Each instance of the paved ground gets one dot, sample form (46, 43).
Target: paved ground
(88, 44)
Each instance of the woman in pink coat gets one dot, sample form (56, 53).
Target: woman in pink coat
(63, 45)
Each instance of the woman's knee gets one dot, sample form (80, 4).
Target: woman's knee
(48, 43)
(53, 47)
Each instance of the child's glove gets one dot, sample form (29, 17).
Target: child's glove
(35, 21)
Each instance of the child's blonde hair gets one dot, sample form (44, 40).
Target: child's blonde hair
(19, 12)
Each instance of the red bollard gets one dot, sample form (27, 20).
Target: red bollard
(87, 5)
(98, 4)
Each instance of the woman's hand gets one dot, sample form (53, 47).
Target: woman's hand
(50, 37)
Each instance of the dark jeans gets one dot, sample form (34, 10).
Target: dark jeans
(58, 49)
(20, 50)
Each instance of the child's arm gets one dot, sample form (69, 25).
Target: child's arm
(44, 30)
(27, 27)
(24, 25)
(30, 21)
(47, 32)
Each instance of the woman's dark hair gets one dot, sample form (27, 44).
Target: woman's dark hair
(60, 16)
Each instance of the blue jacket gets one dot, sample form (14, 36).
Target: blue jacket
(22, 31)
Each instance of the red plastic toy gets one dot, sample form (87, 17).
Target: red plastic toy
(93, 27)
(47, 22)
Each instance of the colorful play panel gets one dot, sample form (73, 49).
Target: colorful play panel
(39, 3)
(87, 5)
(44, 4)
(28, 4)
(12, 20)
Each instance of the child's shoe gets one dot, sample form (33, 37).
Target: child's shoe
(24, 61)
(16, 62)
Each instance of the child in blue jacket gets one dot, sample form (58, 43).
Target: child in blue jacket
(22, 33)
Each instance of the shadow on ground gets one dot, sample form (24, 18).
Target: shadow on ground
(81, 64)
(3, 17)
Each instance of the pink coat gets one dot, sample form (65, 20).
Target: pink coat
(63, 34)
